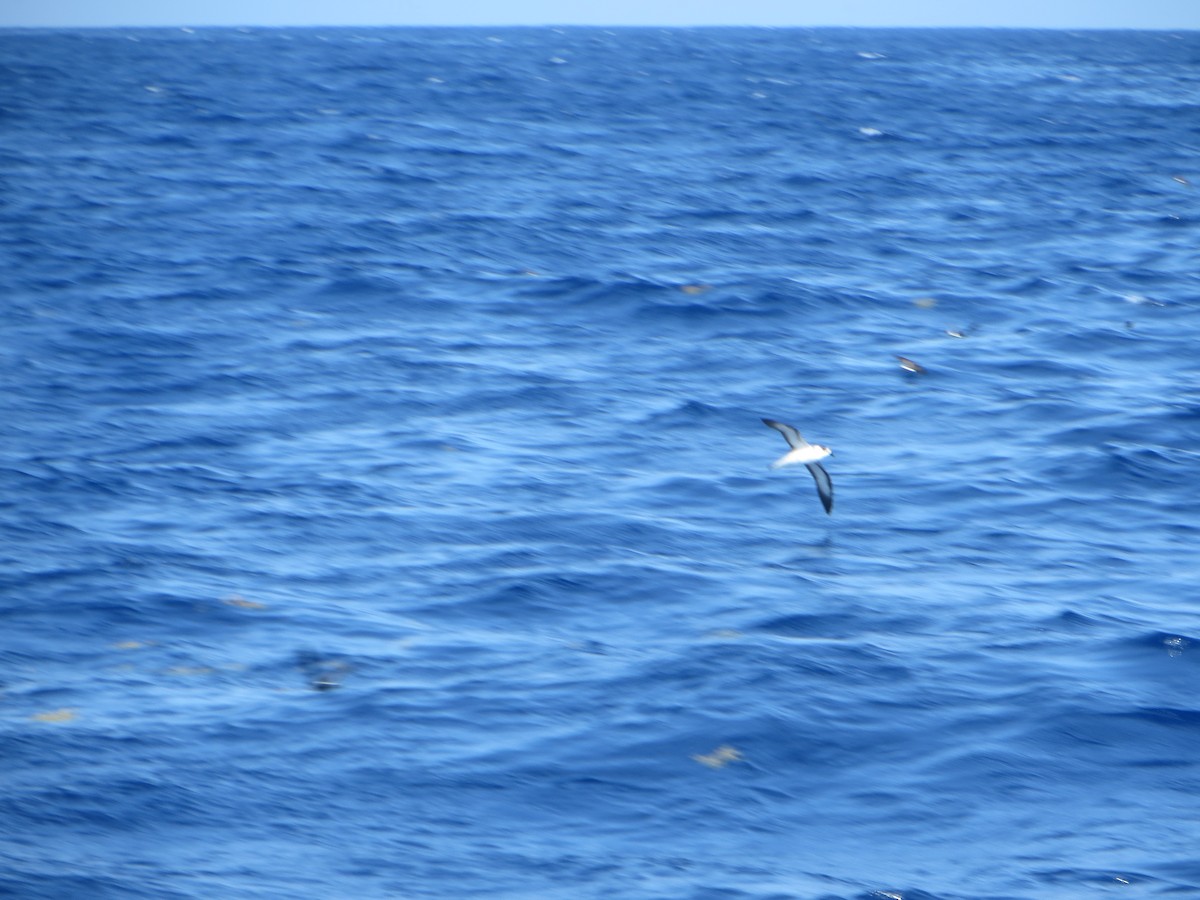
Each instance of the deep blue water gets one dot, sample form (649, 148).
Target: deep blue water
(387, 511)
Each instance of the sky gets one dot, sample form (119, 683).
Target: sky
(1155, 14)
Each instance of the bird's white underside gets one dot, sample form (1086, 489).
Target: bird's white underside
(808, 454)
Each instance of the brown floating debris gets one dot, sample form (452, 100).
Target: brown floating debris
(909, 366)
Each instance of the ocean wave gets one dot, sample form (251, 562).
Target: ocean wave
(387, 504)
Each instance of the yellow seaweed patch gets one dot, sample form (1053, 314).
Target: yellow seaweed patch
(66, 714)
(695, 288)
(720, 757)
(239, 601)
(189, 670)
(925, 302)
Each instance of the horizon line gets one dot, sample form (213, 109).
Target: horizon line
(186, 27)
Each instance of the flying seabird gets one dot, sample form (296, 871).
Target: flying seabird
(804, 452)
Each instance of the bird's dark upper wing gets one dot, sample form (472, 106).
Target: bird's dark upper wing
(790, 434)
(824, 485)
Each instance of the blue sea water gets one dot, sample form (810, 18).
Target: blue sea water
(387, 509)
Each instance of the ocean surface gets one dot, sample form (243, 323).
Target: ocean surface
(387, 511)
